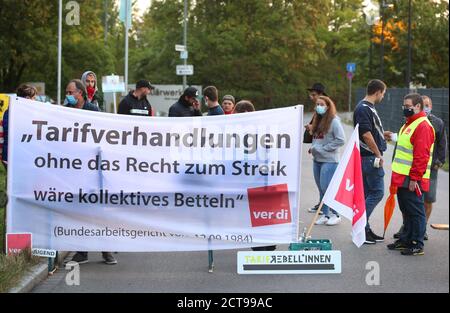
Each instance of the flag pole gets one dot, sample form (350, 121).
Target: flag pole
(58, 87)
(127, 29)
(319, 209)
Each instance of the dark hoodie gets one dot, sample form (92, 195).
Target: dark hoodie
(130, 105)
(182, 108)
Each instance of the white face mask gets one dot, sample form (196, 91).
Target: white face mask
(427, 110)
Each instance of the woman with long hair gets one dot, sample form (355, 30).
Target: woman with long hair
(328, 137)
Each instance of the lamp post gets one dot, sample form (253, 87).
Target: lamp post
(383, 6)
(185, 39)
(408, 71)
(58, 95)
(372, 14)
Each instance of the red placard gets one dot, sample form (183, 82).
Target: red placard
(16, 242)
(269, 205)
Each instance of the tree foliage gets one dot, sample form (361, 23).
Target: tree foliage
(268, 51)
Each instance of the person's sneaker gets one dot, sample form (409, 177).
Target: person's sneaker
(397, 245)
(369, 239)
(80, 258)
(314, 209)
(323, 220)
(399, 233)
(414, 250)
(108, 258)
(425, 237)
(334, 220)
(375, 237)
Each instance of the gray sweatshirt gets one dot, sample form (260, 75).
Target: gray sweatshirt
(326, 148)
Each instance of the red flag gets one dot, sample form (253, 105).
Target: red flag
(345, 193)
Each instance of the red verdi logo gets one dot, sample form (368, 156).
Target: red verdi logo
(269, 205)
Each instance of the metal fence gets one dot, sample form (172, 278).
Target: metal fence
(390, 110)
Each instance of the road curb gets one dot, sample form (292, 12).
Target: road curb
(37, 274)
(34, 276)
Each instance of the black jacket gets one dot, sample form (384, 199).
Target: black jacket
(183, 108)
(440, 142)
(130, 105)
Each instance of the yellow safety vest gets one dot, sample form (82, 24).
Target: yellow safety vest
(403, 158)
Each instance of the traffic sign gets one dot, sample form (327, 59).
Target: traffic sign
(351, 67)
(183, 55)
(185, 70)
(349, 75)
(180, 48)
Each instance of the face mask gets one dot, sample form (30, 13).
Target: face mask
(427, 110)
(408, 112)
(321, 109)
(70, 99)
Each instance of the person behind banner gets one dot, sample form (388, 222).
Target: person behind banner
(76, 97)
(24, 91)
(328, 137)
(411, 170)
(372, 145)
(317, 90)
(243, 106)
(228, 104)
(89, 80)
(136, 103)
(211, 96)
(187, 104)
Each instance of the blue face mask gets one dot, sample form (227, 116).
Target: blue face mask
(70, 99)
(427, 110)
(321, 110)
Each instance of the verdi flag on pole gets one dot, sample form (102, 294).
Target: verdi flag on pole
(125, 10)
(345, 194)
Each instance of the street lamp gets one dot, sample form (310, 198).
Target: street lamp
(383, 6)
(408, 72)
(372, 14)
(185, 26)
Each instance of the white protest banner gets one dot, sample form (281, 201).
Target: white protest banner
(91, 181)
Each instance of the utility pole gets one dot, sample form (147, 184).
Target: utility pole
(127, 28)
(105, 8)
(58, 99)
(371, 52)
(382, 40)
(408, 71)
(185, 39)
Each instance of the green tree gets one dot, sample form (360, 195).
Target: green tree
(29, 35)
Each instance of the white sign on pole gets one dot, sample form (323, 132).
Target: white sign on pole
(185, 70)
(113, 83)
(289, 262)
(180, 48)
(123, 183)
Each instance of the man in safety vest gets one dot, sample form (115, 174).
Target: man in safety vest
(411, 174)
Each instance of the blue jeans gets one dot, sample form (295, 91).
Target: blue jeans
(373, 179)
(414, 219)
(323, 172)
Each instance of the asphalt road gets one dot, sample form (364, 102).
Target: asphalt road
(184, 272)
